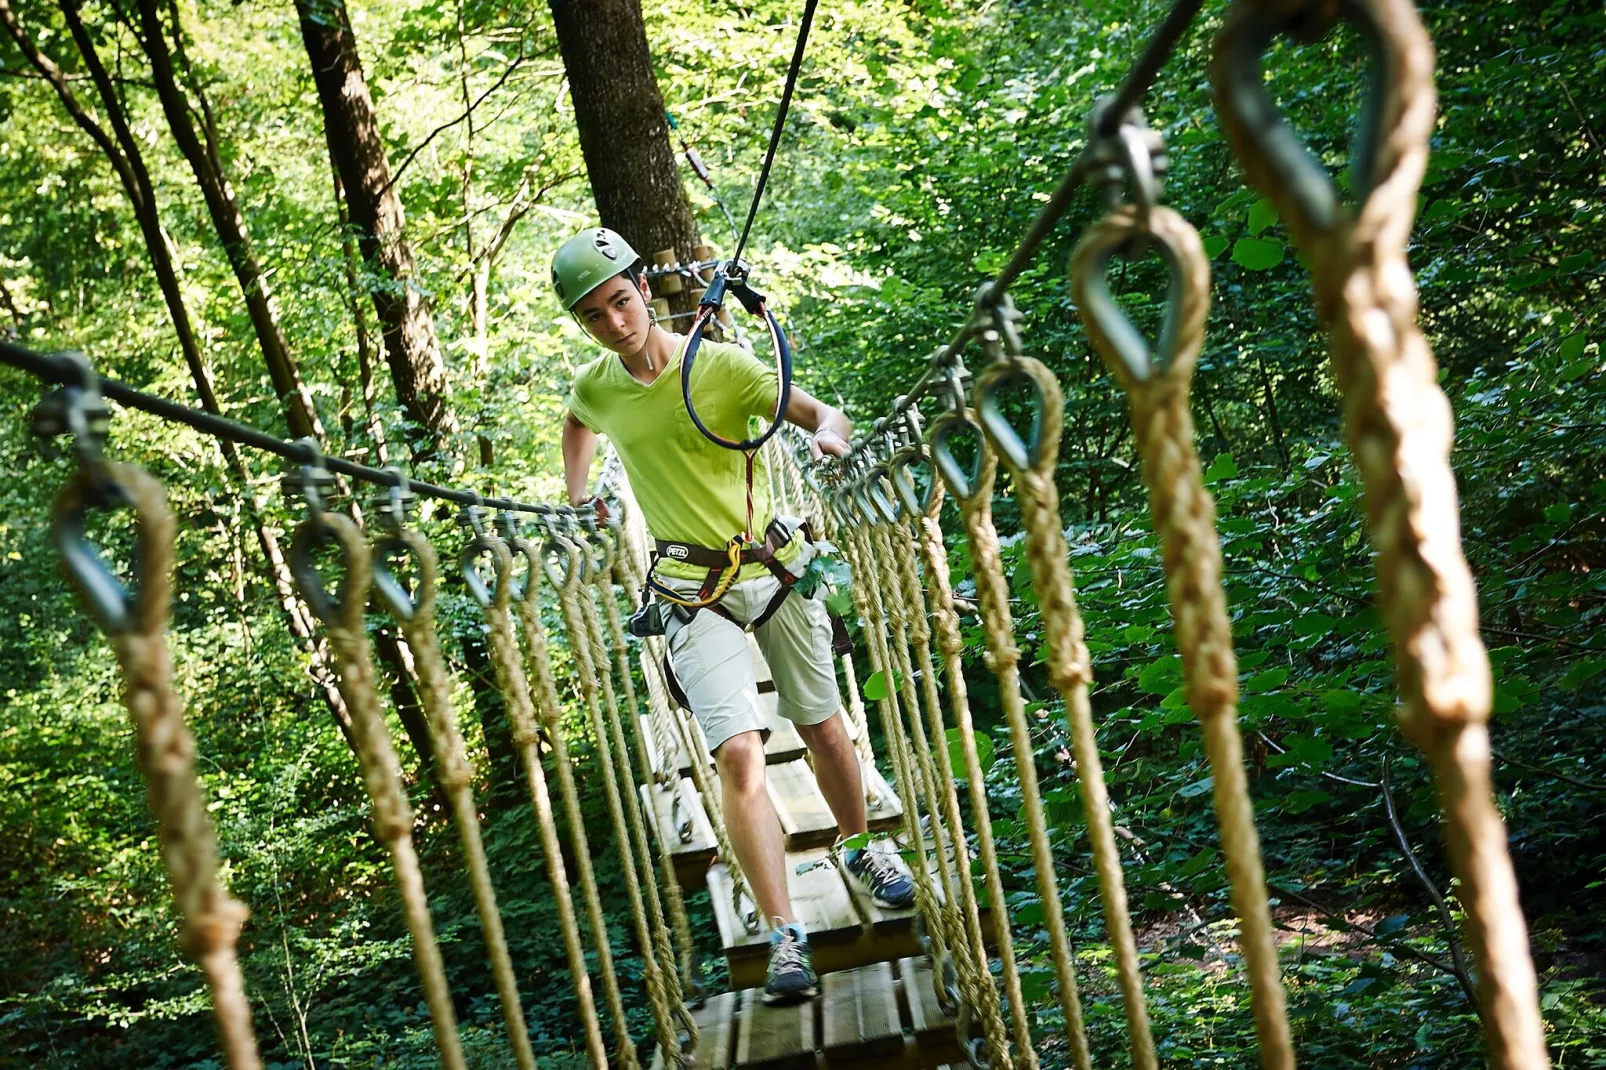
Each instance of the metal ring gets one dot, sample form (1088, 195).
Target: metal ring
(402, 604)
(311, 534)
(1019, 452)
(484, 591)
(1236, 69)
(115, 608)
(1136, 361)
(962, 482)
(522, 547)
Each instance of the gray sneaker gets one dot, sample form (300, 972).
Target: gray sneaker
(791, 975)
(881, 877)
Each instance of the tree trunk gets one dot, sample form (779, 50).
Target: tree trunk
(365, 347)
(205, 162)
(623, 133)
(352, 132)
(126, 160)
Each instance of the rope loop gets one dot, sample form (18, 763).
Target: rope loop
(118, 608)
(964, 482)
(344, 608)
(1138, 365)
(1272, 152)
(485, 592)
(406, 606)
(732, 278)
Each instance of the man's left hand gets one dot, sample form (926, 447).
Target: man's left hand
(827, 442)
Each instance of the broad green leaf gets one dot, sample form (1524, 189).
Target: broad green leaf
(1213, 245)
(1559, 513)
(1223, 467)
(1257, 254)
(1572, 347)
(1265, 681)
(1262, 214)
(1197, 788)
(875, 688)
(985, 752)
(1161, 677)
(1583, 670)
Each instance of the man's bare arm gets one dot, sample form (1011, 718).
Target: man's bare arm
(831, 428)
(579, 449)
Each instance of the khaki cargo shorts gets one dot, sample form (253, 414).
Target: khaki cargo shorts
(709, 656)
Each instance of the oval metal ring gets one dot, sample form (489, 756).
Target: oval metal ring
(572, 570)
(1019, 452)
(963, 482)
(519, 546)
(877, 497)
(1127, 353)
(401, 603)
(312, 534)
(912, 500)
(485, 591)
(1236, 73)
(116, 608)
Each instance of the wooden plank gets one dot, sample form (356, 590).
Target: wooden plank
(805, 817)
(716, 1029)
(820, 900)
(933, 1029)
(777, 1038)
(859, 1014)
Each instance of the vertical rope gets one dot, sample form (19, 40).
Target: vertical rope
(582, 648)
(381, 772)
(547, 708)
(1400, 431)
(165, 754)
(521, 717)
(1070, 669)
(1185, 517)
(941, 602)
(455, 773)
(618, 568)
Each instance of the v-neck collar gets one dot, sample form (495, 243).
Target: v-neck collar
(674, 362)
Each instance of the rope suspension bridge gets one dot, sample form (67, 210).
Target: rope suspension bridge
(938, 984)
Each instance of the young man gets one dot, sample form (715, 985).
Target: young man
(694, 496)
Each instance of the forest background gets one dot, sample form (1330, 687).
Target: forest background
(924, 136)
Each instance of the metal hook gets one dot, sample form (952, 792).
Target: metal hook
(1135, 155)
(393, 507)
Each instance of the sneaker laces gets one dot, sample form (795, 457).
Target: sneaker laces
(881, 870)
(788, 953)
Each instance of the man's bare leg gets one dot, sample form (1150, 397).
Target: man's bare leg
(755, 831)
(836, 767)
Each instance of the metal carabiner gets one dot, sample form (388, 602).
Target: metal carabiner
(1134, 155)
(312, 481)
(1002, 343)
(472, 517)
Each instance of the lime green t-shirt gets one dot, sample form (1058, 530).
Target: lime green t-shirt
(690, 490)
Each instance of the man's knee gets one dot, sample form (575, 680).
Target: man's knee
(741, 763)
(830, 734)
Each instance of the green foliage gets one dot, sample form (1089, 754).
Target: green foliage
(925, 137)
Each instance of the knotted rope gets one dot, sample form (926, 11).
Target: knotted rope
(453, 770)
(573, 593)
(526, 602)
(940, 601)
(975, 976)
(164, 749)
(381, 772)
(998, 627)
(520, 710)
(1185, 518)
(1400, 429)
(615, 567)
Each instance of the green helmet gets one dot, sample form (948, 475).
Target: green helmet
(588, 260)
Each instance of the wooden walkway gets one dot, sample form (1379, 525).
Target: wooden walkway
(877, 1002)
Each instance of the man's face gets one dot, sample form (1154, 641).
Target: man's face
(615, 314)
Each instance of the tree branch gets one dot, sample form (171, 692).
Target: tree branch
(395, 177)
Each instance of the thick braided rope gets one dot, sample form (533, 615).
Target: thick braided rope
(1400, 431)
(629, 564)
(455, 773)
(940, 599)
(165, 754)
(615, 637)
(861, 560)
(381, 772)
(890, 548)
(515, 688)
(548, 707)
(819, 518)
(1070, 670)
(580, 646)
(975, 977)
(1185, 517)
(662, 944)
